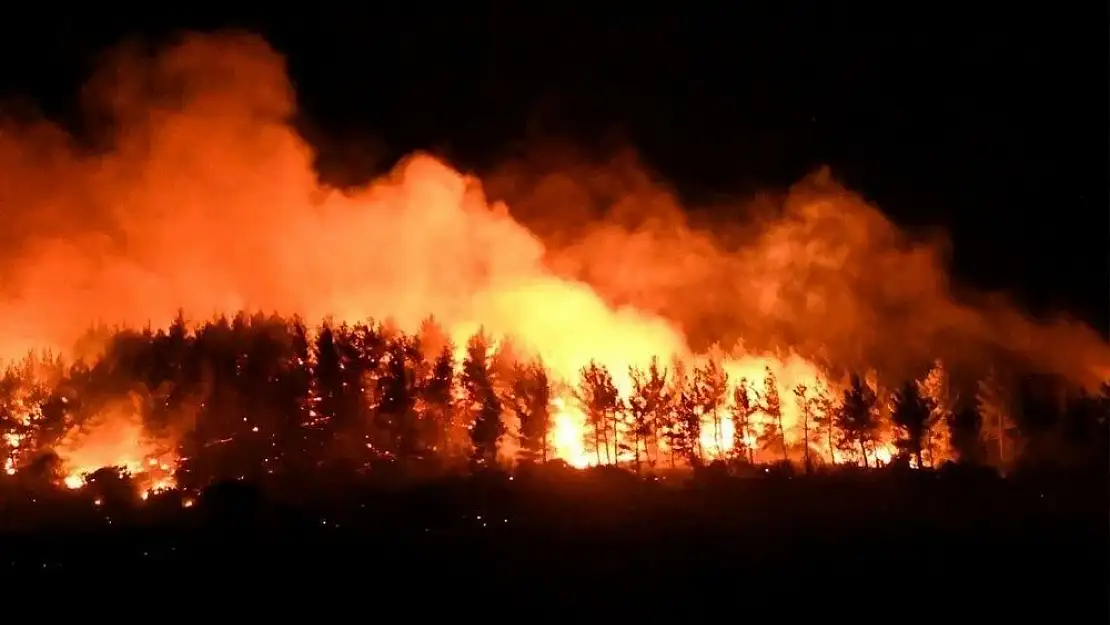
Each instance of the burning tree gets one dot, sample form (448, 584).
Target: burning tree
(485, 406)
(824, 415)
(745, 404)
(437, 401)
(398, 388)
(912, 414)
(650, 404)
(997, 426)
(531, 402)
(602, 403)
(858, 417)
(710, 394)
(806, 408)
(684, 429)
(774, 432)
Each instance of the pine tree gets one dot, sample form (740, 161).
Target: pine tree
(911, 414)
(774, 431)
(824, 417)
(993, 407)
(806, 408)
(937, 388)
(745, 404)
(398, 388)
(647, 408)
(858, 416)
(437, 400)
(531, 402)
(710, 393)
(486, 429)
(602, 403)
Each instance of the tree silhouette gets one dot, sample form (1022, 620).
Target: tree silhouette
(438, 403)
(858, 416)
(774, 432)
(944, 398)
(531, 402)
(602, 403)
(398, 388)
(328, 389)
(648, 407)
(684, 433)
(997, 427)
(745, 405)
(484, 405)
(912, 414)
(293, 399)
(806, 405)
(711, 394)
(964, 426)
(823, 410)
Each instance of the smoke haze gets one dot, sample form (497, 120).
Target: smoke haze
(207, 201)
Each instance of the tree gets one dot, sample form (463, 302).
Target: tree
(912, 415)
(806, 409)
(328, 378)
(684, 433)
(602, 403)
(858, 416)
(293, 390)
(745, 404)
(824, 411)
(531, 402)
(938, 389)
(648, 406)
(994, 410)
(774, 432)
(398, 388)
(710, 394)
(964, 426)
(486, 428)
(437, 400)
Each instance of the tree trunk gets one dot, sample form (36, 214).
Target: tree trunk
(805, 436)
(636, 449)
(782, 437)
(863, 450)
(616, 443)
(598, 443)
(717, 432)
(747, 445)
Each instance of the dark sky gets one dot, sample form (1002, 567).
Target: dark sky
(992, 126)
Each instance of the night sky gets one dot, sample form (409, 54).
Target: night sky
(992, 126)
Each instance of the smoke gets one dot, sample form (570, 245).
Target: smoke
(817, 272)
(207, 201)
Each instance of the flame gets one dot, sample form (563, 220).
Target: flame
(116, 438)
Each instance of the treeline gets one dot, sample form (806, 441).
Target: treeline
(262, 397)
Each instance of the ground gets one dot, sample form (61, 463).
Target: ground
(871, 546)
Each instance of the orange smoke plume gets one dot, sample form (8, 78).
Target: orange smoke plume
(206, 200)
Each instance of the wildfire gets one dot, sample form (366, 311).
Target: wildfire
(210, 202)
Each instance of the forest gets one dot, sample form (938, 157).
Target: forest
(271, 400)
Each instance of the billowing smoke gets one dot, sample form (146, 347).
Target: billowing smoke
(817, 271)
(206, 200)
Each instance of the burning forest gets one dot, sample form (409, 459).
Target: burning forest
(249, 322)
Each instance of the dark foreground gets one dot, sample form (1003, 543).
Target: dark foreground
(861, 547)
